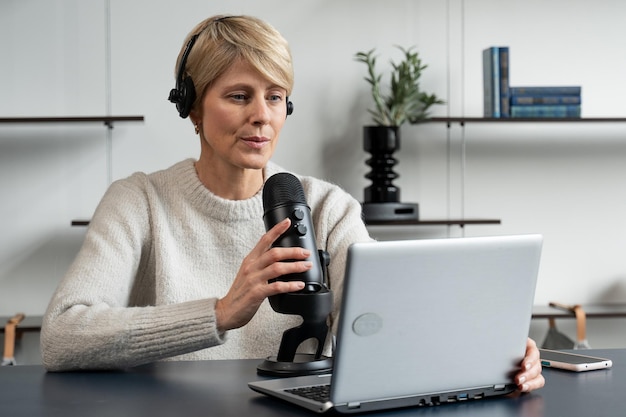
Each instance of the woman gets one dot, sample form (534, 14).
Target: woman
(176, 264)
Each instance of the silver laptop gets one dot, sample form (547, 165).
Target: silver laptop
(425, 322)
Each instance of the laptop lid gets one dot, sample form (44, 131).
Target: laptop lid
(430, 321)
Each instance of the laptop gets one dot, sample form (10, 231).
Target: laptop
(425, 322)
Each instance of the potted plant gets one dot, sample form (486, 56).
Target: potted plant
(405, 102)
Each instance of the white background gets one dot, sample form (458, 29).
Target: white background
(117, 57)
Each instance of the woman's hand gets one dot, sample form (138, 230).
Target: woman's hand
(251, 285)
(530, 378)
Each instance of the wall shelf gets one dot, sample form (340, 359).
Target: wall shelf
(80, 222)
(446, 222)
(460, 222)
(463, 120)
(107, 120)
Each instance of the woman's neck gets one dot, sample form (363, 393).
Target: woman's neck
(234, 184)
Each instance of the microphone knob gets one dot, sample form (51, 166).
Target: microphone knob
(301, 229)
(298, 214)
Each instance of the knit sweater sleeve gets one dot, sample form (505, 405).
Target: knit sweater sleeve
(102, 314)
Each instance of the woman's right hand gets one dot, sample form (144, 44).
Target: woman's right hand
(251, 285)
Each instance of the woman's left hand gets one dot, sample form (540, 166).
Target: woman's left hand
(529, 378)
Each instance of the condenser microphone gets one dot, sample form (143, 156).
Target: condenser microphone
(283, 196)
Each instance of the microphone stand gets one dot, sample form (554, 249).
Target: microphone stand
(314, 309)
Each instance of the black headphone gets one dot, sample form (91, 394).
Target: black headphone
(185, 92)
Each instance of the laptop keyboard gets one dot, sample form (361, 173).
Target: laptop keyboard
(319, 393)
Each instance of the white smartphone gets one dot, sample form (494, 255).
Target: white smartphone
(572, 361)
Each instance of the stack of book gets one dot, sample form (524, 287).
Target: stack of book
(502, 101)
(550, 101)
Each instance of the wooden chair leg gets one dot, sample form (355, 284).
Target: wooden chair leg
(8, 358)
(581, 323)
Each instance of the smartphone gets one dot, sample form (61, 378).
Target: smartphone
(572, 361)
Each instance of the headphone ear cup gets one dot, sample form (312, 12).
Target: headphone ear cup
(187, 96)
(289, 107)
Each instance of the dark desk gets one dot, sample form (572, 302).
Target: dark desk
(219, 388)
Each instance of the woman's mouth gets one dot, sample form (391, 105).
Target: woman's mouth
(256, 142)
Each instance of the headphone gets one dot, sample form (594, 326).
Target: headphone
(184, 94)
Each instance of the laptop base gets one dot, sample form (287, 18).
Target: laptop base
(303, 364)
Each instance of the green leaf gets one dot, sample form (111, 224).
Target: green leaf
(404, 102)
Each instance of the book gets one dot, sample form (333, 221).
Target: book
(491, 84)
(527, 100)
(505, 109)
(567, 90)
(546, 111)
(496, 82)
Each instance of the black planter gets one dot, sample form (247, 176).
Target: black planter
(382, 197)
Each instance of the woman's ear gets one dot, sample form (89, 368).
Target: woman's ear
(193, 116)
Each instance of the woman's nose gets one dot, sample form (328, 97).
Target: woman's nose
(260, 111)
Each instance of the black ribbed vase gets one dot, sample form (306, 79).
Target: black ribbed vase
(382, 197)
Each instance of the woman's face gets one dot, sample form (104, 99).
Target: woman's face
(241, 118)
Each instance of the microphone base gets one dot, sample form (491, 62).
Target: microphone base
(380, 212)
(303, 364)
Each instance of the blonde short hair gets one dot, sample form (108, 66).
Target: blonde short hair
(222, 40)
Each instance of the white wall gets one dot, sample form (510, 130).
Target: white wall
(563, 180)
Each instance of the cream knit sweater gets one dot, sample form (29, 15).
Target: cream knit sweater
(159, 251)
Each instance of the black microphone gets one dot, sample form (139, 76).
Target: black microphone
(283, 196)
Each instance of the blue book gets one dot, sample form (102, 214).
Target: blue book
(491, 83)
(546, 110)
(546, 91)
(528, 100)
(505, 95)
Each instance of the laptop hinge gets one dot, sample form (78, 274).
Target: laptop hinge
(499, 387)
(354, 405)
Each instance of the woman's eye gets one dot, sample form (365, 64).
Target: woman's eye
(238, 97)
(275, 97)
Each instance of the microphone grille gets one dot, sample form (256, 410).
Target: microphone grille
(282, 188)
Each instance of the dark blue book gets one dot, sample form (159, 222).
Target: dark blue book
(528, 100)
(505, 110)
(491, 82)
(569, 90)
(546, 110)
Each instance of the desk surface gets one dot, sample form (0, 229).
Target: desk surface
(219, 388)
